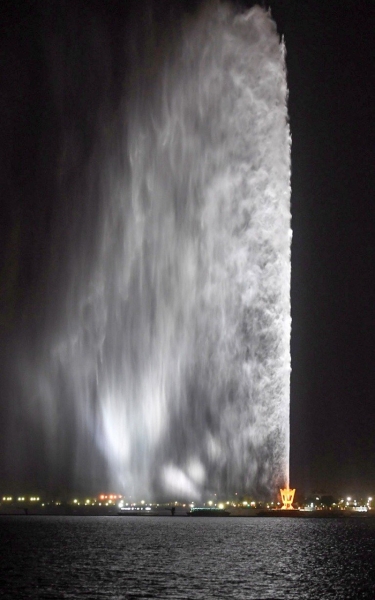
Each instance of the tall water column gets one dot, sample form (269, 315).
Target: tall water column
(169, 345)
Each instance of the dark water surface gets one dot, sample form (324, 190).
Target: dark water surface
(155, 557)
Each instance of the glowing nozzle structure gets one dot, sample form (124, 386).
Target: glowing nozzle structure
(287, 497)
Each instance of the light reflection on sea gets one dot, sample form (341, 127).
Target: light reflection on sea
(154, 557)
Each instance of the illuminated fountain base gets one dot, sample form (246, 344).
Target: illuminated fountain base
(287, 497)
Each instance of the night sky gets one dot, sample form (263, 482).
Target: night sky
(331, 73)
(330, 64)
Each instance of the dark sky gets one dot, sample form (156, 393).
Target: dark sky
(331, 80)
(330, 63)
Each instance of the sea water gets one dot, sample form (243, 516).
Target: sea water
(155, 557)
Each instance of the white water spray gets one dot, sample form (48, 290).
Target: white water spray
(174, 344)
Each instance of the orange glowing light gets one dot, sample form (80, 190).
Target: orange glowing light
(287, 497)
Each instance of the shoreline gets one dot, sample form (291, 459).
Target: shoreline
(165, 513)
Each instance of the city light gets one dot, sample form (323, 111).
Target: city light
(113, 503)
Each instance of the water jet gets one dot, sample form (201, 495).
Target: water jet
(168, 349)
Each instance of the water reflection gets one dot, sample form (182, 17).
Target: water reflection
(119, 557)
